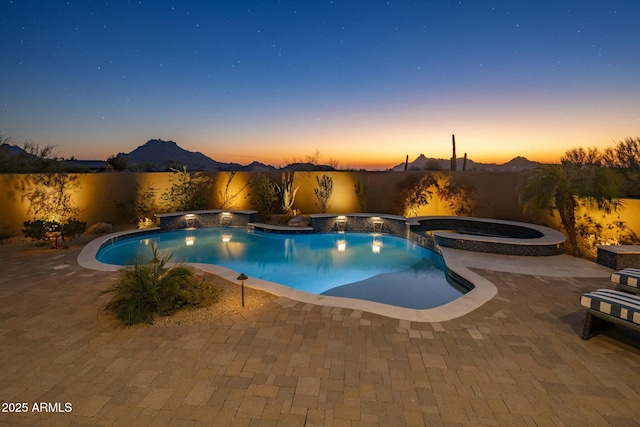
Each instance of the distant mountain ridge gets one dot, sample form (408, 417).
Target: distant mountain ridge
(159, 155)
(422, 162)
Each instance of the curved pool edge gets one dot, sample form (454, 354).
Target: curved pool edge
(87, 256)
(482, 292)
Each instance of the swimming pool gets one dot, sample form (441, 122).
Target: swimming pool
(380, 268)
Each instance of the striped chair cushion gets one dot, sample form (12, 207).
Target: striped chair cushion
(614, 303)
(628, 276)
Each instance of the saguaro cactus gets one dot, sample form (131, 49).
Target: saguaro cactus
(454, 163)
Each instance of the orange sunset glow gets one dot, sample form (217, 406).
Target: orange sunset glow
(272, 84)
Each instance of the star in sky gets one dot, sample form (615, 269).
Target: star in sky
(231, 78)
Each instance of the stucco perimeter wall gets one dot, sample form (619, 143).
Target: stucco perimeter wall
(497, 193)
(100, 194)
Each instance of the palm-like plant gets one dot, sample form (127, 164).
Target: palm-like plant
(145, 289)
(564, 187)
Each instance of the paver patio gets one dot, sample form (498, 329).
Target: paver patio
(518, 360)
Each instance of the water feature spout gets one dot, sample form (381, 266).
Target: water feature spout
(341, 223)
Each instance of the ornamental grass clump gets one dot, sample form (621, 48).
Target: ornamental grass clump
(146, 290)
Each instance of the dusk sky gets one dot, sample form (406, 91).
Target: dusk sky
(363, 82)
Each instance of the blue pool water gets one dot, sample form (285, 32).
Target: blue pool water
(381, 268)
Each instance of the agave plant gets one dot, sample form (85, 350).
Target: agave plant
(287, 192)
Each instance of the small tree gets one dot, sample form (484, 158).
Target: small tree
(625, 157)
(118, 163)
(51, 204)
(53, 231)
(416, 193)
(263, 195)
(186, 191)
(459, 195)
(323, 190)
(50, 195)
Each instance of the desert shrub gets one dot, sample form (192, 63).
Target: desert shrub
(100, 228)
(37, 229)
(459, 195)
(73, 228)
(50, 195)
(323, 191)
(415, 192)
(263, 195)
(53, 231)
(592, 233)
(147, 289)
(118, 163)
(145, 223)
(186, 192)
(141, 207)
(199, 293)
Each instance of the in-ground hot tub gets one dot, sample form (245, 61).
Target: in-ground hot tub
(486, 235)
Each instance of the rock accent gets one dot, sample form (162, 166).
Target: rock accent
(299, 221)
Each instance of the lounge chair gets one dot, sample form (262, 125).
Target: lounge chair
(627, 280)
(607, 306)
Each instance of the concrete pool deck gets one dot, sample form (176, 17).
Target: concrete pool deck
(516, 360)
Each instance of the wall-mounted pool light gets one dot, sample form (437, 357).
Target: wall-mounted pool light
(226, 237)
(342, 245)
(341, 223)
(190, 240)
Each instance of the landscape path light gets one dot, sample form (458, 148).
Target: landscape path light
(242, 277)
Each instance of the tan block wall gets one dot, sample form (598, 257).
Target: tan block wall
(99, 195)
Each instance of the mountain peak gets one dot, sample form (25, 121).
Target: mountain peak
(160, 155)
(152, 142)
